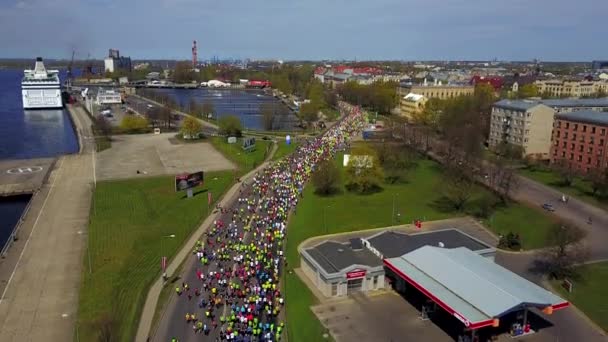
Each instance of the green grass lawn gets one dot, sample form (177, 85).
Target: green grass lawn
(580, 188)
(246, 161)
(418, 198)
(531, 224)
(590, 293)
(284, 149)
(128, 220)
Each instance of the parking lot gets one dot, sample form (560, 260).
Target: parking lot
(160, 154)
(382, 317)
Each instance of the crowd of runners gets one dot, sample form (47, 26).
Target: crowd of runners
(240, 258)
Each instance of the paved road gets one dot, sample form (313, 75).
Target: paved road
(40, 299)
(536, 194)
(575, 211)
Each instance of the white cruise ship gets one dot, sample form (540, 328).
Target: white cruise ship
(41, 88)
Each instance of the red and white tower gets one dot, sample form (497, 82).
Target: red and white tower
(194, 55)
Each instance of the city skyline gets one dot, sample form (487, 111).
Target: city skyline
(314, 30)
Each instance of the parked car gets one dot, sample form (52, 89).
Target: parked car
(548, 207)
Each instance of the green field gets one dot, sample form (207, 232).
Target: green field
(589, 293)
(416, 199)
(128, 221)
(580, 188)
(283, 149)
(531, 224)
(245, 161)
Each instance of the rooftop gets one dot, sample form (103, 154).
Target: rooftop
(334, 256)
(472, 288)
(599, 102)
(392, 244)
(586, 116)
(517, 104)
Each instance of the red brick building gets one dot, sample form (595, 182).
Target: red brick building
(581, 138)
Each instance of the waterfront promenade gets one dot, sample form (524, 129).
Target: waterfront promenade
(40, 276)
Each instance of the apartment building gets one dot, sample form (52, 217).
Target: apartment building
(571, 88)
(522, 123)
(572, 105)
(581, 138)
(411, 104)
(436, 90)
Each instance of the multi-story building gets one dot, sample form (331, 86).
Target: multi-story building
(522, 123)
(572, 105)
(114, 62)
(581, 138)
(411, 104)
(571, 88)
(436, 90)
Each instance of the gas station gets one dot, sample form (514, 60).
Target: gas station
(482, 295)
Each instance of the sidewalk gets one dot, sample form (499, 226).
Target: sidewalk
(145, 322)
(42, 271)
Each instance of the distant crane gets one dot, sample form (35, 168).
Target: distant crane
(194, 54)
(88, 69)
(70, 73)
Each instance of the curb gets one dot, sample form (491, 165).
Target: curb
(144, 326)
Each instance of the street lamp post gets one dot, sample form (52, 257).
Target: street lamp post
(393, 215)
(325, 218)
(162, 251)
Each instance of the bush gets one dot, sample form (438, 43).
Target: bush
(326, 178)
(191, 128)
(510, 241)
(364, 171)
(230, 126)
(134, 124)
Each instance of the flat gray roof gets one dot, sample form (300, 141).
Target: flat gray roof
(334, 256)
(517, 104)
(585, 116)
(472, 288)
(599, 102)
(392, 244)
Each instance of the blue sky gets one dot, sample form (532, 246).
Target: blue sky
(307, 29)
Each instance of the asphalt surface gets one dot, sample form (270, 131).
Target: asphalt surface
(257, 219)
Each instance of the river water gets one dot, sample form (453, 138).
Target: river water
(25, 135)
(244, 103)
(31, 134)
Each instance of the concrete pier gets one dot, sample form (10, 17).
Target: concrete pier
(24, 176)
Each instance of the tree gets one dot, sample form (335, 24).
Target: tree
(165, 116)
(315, 94)
(309, 112)
(207, 108)
(457, 187)
(483, 99)
(502, 179)
(191, 128)
(268, 111)
(598, 179)
(527, 90)
(327, 178)
(193, 108)
(103, 126)
(183, 73)
(363, 170)
(565, 171)
(510, 151)
(396, 160)
(566, 252)
(230, 125)
(134, 124)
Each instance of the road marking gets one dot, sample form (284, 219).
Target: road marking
(24, 170)
(8, 283)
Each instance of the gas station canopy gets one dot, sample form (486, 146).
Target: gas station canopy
(472, 288)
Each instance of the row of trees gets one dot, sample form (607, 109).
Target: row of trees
(379, 96)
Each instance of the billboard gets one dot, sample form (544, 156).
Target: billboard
(249, 144)
(188, 180)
